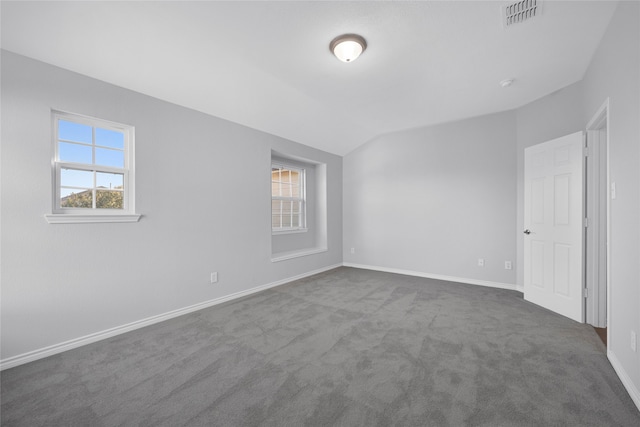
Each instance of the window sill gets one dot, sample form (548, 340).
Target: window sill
(283, 256)
(297, 230)
(84, 219)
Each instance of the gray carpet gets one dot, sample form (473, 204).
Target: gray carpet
(347, 347)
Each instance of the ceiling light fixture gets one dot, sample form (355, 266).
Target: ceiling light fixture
(348, 47)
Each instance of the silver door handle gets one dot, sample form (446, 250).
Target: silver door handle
(527, 231)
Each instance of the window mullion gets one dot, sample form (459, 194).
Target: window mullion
(68, 141)
(125, 194)
(87, 167)
(93, 190)
(93, 145)
(303, 203)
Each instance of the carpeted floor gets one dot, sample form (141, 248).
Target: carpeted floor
(347, 347)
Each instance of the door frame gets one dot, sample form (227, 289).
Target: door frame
(595, 248)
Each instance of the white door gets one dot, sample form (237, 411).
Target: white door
(553, 221)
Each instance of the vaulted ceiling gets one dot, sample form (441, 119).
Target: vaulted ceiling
(267, 64)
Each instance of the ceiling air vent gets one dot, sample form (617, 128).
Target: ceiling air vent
(520, 11)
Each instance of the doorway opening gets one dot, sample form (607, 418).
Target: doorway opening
(597, 214)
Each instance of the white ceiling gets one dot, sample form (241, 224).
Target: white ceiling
(267, 64)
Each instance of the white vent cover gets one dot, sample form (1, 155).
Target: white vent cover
(520, 11)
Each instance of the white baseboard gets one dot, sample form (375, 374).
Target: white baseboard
(21, 359)
(624, 377)
(490, 284)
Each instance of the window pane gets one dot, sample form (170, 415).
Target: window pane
(74, 132)
(113, 158)
(74, 153)
(286, 220)
(286, 214)
(275, 213)
(76, 198)
(110, 180)
(109, 138)
(295, 190)
(285, 190)
(284, 176)
(295, 218)
(76, 178)
(286, 207)
(106, 199)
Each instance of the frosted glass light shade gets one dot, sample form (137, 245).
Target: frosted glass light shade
(348, 47)
(347, 51)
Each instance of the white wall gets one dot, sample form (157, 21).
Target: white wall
(614, 72)
(202, 186)
(434, 200)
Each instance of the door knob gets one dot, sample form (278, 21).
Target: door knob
(527, 231)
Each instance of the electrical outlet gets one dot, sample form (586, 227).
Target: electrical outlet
(508, 265)
(633, 340)
(353, 250)
(480, 262)
(214, 277)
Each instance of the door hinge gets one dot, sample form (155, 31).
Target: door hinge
(586, 222)
(585, 150)
(585, 292)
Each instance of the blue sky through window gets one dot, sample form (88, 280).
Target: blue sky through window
(85, 150)
(76, 178)
(74, 132)
(110, 157)
(74, 153)
(109, 138)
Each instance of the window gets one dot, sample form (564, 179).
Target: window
(287, 198)
(93, 169)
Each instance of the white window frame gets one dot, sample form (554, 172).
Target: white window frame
(302, 228)
(83, 215)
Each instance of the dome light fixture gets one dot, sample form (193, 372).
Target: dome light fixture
(348, 47)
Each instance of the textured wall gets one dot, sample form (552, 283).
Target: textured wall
(614, 73)
(64, 281)
(434, 200)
